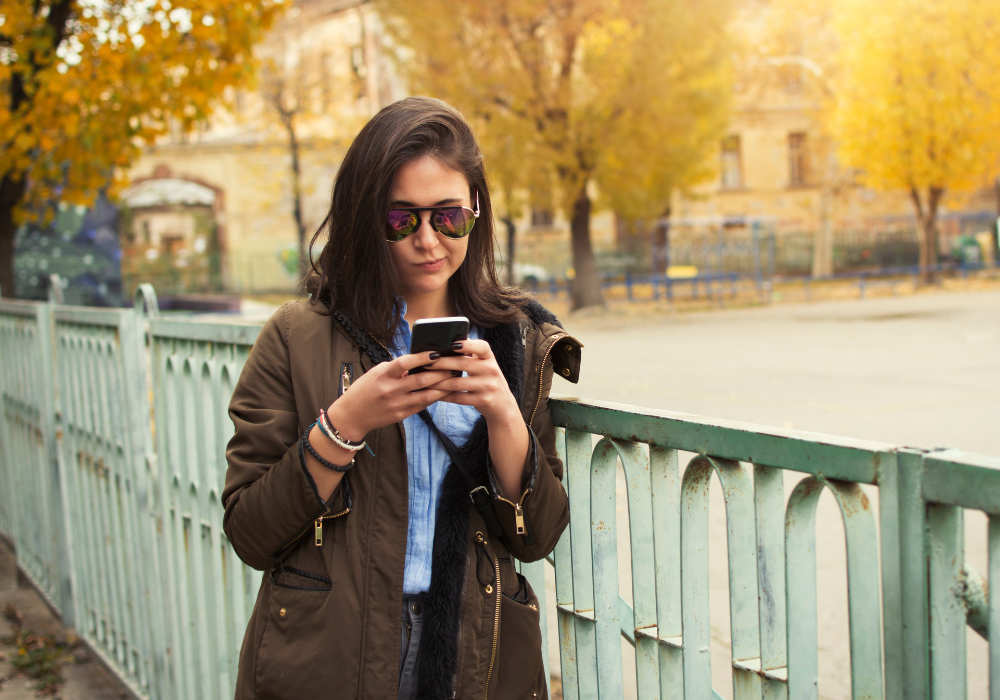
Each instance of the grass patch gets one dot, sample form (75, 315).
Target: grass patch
(38, 657)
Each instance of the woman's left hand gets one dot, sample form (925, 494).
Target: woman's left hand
(486, 389)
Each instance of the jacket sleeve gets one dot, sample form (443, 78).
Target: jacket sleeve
(269, 495)
(545, 505)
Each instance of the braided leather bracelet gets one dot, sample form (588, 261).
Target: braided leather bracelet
(326, 463)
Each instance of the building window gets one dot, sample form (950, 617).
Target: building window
(541, 217)
(732, 168)
(798, 162)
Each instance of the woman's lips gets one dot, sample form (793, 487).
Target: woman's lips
(432, 266)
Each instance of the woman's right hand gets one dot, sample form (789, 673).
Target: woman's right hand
(386, 394)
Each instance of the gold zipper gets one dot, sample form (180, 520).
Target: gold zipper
(518, 510)
(496, 619)
(319, 524)
(541, 375)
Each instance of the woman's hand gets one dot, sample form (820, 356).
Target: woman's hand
(386, 394)
(383, 395)
(486, 389)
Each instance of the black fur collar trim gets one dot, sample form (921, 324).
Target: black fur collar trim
(438, 651)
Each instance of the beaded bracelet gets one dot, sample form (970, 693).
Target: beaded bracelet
(326, 463)
(329, 431)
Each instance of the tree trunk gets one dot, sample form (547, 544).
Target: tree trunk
(995, 238)
(927, 220)
(300, 225)
(508, 221)
(11, 194)
(659, 248)
(822, 262)
(586, 283)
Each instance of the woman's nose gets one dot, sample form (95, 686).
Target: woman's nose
(425, 236)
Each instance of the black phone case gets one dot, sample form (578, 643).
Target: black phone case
(437, 337)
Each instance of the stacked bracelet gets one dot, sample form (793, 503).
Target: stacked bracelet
(340, 441)
(326, 463)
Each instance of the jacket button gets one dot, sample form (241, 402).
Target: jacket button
(489, 588)
(282, 612)
(417, 608)
(566, 371)
(569, 348)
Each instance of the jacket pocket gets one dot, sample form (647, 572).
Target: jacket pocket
(293, 659)
(298, 580)
(519, 663)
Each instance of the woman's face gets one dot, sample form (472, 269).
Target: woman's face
(426, 260)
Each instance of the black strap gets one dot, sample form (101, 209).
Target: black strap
(479, 495)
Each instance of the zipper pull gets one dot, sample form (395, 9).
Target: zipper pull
(524, 337)
(319, 532)
(519, 519)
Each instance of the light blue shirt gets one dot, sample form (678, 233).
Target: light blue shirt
(427, 462)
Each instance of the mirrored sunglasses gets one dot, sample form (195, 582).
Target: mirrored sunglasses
(451, 222)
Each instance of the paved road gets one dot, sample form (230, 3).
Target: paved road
(920, 370)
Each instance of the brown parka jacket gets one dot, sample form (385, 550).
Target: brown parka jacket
(326, 623)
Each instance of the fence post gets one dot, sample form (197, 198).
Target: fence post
(947, 611)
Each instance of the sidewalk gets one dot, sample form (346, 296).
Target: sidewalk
(83, 677)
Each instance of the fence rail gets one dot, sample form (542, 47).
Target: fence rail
(112, 445)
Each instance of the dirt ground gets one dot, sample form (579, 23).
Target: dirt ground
(54, 648)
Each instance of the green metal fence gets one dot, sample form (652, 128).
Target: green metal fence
(113, 434)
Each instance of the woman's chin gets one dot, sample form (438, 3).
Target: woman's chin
(427, 284)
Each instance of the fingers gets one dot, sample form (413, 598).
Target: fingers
(460, 363)
(407, 362)
(422, 380)
(463, 384)
(420, 400)
(478, 348)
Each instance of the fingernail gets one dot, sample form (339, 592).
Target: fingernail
(435, 356)
(456, 373)
(456, 346)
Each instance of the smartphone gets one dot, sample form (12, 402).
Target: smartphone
(437, 335)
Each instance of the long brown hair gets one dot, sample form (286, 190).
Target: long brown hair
(356, 271)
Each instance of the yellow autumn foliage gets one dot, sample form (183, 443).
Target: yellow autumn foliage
(86, 83)
(629, 95)
(917, 102)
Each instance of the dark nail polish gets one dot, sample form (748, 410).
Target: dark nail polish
(435, 356)
(456, 346)
(456, 373)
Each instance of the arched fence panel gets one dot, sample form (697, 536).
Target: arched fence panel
(195, 367)
(112, 437)
(33, 496)
(102, 433)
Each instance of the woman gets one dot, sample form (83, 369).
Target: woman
(382, 577)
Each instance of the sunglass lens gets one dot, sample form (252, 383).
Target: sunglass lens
(454, 222)
(401, 224)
